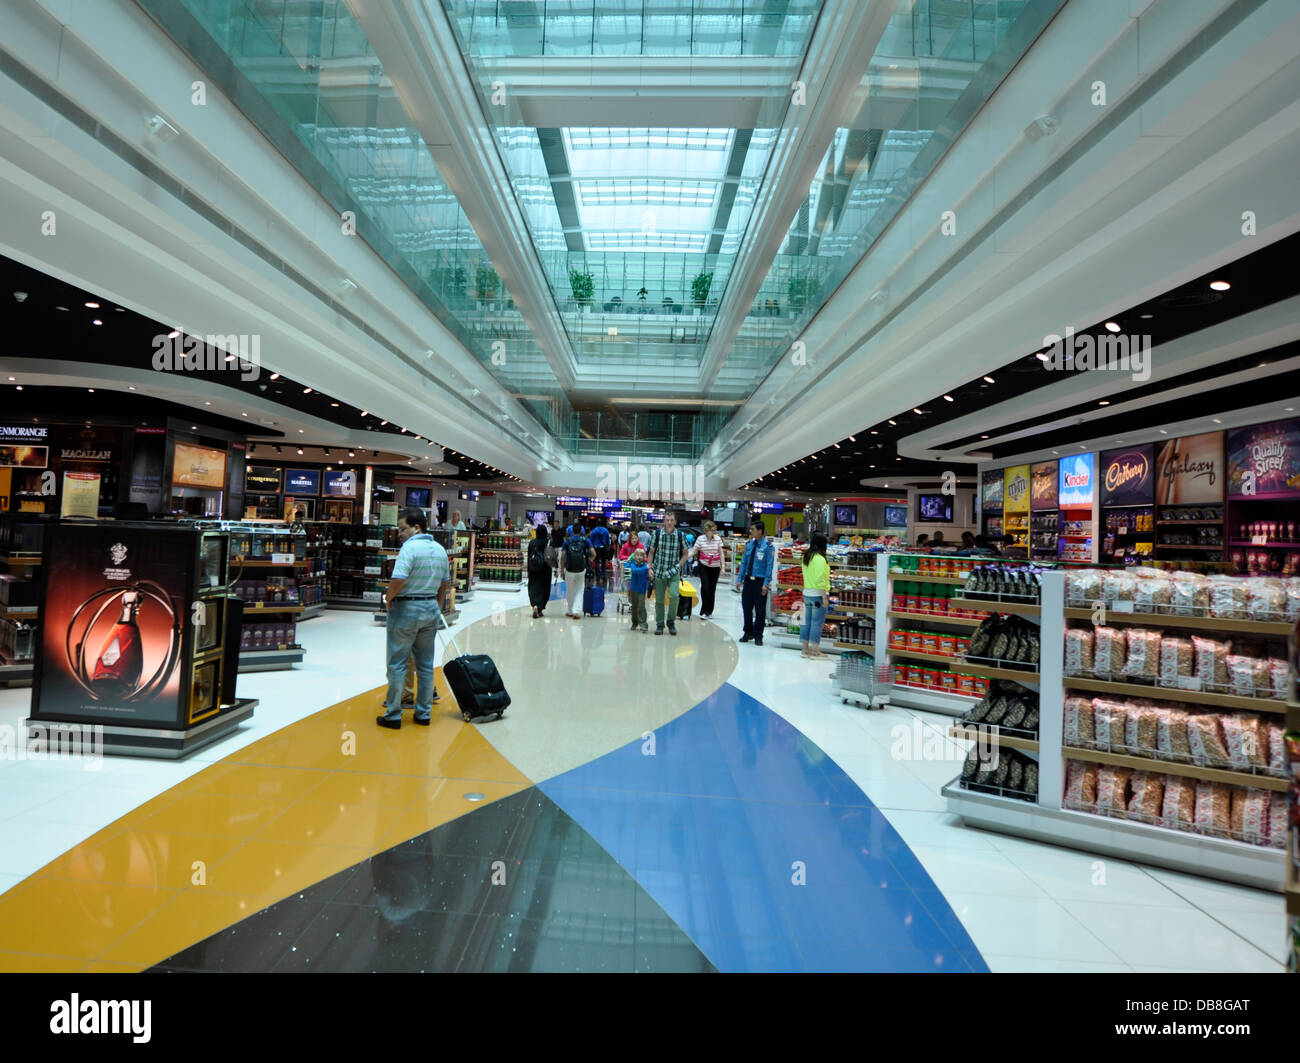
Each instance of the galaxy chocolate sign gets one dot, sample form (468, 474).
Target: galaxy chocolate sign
(1190, 469)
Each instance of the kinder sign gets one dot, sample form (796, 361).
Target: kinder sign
(1126, 476)
(1077, 476)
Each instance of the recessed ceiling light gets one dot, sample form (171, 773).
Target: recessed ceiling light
(1146, 317)
(989, 379)
(12, 378)
(63, 308)
(300, 431)
(96, 322)
(894, 423)
(194, 428)
(93, 306)
(333, 403)
(275, 376)
(1112, 326)
(173, 334)
(19, 388)
(1218, 286)
(243, 415)
(916, 410)
(1163, 432)
(1216, 420)
(1056, 452)
(91, 390)
(300, 450)
(1104, 402)
(207, 404)
(949, 398)
(983, 437)
(306, 391)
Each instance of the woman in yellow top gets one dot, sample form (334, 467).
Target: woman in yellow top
(816, 597)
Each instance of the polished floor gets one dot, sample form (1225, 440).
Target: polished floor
(648, 803)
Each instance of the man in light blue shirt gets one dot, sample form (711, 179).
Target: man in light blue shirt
(420, 582)
(755, 576)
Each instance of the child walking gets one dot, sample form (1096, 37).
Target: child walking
(638, 573)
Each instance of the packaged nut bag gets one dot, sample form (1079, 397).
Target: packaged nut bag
(1179, 810)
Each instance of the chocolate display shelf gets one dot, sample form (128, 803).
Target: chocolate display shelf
(1270, 545)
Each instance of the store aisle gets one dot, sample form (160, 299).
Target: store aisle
(1027, 906)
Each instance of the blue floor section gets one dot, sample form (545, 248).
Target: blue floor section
(762, 850)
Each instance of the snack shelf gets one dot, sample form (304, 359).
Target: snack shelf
(1194, 697)
(1278, 629)
(271, 607)
(861, 610)
(841, 570)
(975, 734)
(1196, 854)
(922, 578)
(1270, 543)
(988, 605)
(920, 655)
(239, 562)
(994, 672)
(939, 618)
(937, 700)
(1216, 520)
(840, 644)
(1173, 767)
(1187, 546)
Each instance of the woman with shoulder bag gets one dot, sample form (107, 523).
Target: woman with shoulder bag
(707, 551)
(539, 570)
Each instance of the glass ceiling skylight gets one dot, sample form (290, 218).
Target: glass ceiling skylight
(647, 189)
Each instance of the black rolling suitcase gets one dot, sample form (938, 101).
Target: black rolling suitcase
(475, 683)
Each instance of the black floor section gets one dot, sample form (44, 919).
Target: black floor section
(514, 886)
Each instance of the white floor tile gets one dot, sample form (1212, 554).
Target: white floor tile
(1179, 938)
(1040, 965)
(1028, 927)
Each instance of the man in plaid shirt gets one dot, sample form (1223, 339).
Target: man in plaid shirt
(667, 552)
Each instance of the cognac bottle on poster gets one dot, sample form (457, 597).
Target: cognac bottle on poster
(117, 670)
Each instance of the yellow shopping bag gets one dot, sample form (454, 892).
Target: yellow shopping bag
(685, 590)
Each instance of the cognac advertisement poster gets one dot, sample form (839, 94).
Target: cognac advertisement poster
(114, 616)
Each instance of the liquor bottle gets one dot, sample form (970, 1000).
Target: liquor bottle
(118, 667)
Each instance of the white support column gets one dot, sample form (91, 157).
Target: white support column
(1051, 663)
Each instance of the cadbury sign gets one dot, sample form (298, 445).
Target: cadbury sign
(1126, 478)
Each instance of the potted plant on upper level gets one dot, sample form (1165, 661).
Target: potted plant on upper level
(700, 289)
(583, 286)
(486, 282)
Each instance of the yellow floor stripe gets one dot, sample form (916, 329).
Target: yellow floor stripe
(280, 815)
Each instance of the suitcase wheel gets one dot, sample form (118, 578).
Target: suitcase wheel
(465, 716)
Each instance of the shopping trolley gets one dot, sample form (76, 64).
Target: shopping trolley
(859, 679)
(624, 605)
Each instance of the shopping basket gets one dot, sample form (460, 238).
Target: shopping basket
(858, 678)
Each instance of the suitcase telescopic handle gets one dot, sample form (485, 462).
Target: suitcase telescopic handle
(447, 628)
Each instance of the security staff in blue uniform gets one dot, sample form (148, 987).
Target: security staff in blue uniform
(755, 576)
